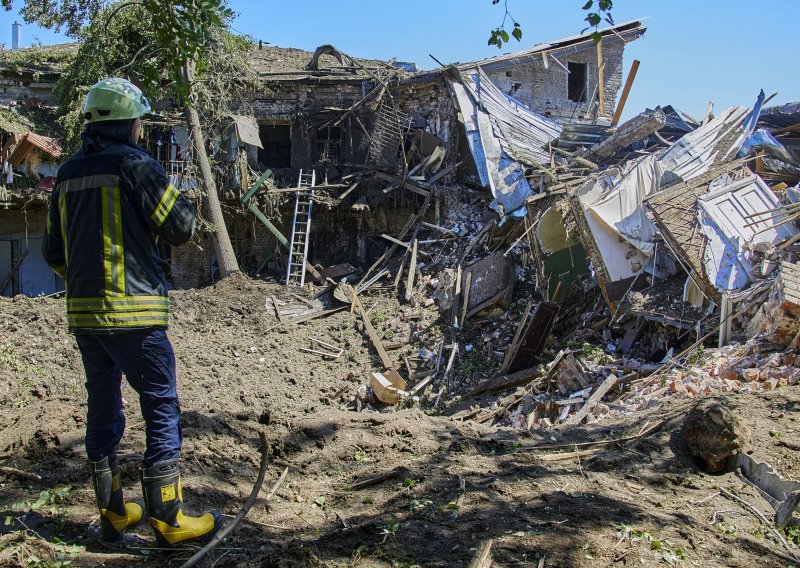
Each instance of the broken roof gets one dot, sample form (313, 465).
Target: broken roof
(626, 32)
(29, 142)
(21, 118)
(290, 64)
(43, 59)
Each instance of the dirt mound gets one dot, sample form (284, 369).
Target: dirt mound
(397, 487)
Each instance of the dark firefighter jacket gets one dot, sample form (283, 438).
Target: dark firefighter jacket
(110, 203)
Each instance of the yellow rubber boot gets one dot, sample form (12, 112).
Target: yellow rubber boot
(115, 514)
(161, 485)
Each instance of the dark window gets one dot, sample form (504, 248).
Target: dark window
(277, 145)
(576, 83)
(329, 145)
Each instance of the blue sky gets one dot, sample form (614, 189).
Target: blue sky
(693, 52)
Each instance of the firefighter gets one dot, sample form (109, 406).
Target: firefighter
(111, 203)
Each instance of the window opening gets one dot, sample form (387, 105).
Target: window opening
(276, 140)
(576, 82)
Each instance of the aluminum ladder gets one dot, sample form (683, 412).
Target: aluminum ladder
(301, 229)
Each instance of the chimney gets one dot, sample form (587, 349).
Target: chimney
(16, 35)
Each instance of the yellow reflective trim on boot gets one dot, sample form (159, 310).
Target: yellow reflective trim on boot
(189, 528)
(133, 514)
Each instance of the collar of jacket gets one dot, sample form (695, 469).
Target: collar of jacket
(100, 135)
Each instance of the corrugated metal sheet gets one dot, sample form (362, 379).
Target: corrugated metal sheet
(714, 142)
(502, 134)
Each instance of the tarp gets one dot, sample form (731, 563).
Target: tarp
(247, 130)
(622, 208)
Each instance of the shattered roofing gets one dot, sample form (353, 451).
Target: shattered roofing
(780, 116)
(675, 211)
(19, 120)
(287, 63)
(45, 59)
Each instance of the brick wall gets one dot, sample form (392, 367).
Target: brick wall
(545, 90)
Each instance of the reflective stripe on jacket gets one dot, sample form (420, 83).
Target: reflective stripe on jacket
(110, 203)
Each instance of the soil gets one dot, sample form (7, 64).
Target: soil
(641, 502)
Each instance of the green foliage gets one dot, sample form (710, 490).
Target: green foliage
(18, 364)
(499, 35)
(662, 549)
(594, 17)
(51, 499)
(792, 533)
(476, 362)
(148, 42)
(116, 42)
(696, 356)
(127, 40)
(390, 529)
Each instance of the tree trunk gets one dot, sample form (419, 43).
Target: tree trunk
(226, 259)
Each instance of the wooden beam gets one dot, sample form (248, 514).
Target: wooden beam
(373, 335)
(600, 83)
(598, 394)
(625, 92)
(412, 271)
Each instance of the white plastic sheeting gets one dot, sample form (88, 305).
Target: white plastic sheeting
(622, 208)
(503, 134)
(621, 259)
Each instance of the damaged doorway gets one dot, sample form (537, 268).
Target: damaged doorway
(276, 139)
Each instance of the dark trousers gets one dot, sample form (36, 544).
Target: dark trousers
(147, 359)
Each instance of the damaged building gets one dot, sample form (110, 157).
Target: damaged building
(376, 136)
(347, 162)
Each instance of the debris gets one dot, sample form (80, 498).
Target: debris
(535, 336)
(331, 351)
(483, 556)
(782, 494)
(370, 481)
(18, 473)
(589, 405)
(389, 387)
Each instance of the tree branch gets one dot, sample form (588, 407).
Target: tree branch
(221, 535)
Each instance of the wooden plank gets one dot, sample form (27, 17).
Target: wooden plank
(513, 347)
(507, 382)
(373, 335)
(441, 173)
(14, 269)
(398, 242)
(600, 81)
(256, 186)
(535, 336)
(353, 185)
(277, 311)
(412, 270)
(598, 394)
(413, 220)
(625, 92)
(483, 556)
(390, 251)
(465, 302)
